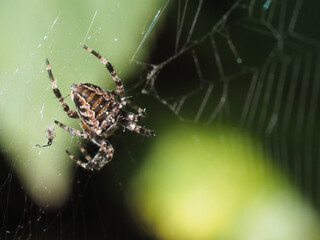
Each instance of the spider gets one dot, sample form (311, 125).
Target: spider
(101, 113)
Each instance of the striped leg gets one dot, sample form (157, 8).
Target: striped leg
(132, 126)
(119, 89)
(141, 112)
(132, 117)
(84, 152)
(71, 130)
(56, 91)
(108, 151)
(103, 156)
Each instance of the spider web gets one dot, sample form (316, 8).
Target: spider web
(253, 65)
(270, 89)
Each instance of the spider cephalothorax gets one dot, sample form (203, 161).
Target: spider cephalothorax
(101, 112)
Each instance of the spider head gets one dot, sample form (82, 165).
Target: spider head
(74, 86)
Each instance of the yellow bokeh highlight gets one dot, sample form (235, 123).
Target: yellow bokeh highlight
(200, 183)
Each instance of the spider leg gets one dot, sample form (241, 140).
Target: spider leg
(84, 152)
(108, 132)
(132, 126)
(78, 161)
(141, 112)
(119, 89)
(71, 130)
(56, 91)
(103, 156)
(131, 116)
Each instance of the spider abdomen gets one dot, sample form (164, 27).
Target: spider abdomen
(97, 108)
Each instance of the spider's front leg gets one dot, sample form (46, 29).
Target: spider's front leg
(132, 126)
(141, 112)
(119, 89)
(56, 91)
(131, 116)
(104, 155)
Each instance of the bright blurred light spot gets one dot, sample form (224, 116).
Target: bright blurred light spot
(216, 184)
(279, 216)
(267, 4)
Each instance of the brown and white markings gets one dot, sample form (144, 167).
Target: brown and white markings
(101, 113)
(50, 136)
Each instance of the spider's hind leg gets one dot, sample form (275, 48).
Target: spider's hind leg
(78, 161)
(103, 156)
(84, 152)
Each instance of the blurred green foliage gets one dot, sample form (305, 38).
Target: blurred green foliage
(54, 30)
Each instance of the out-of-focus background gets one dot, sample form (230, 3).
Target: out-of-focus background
(231, 89)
